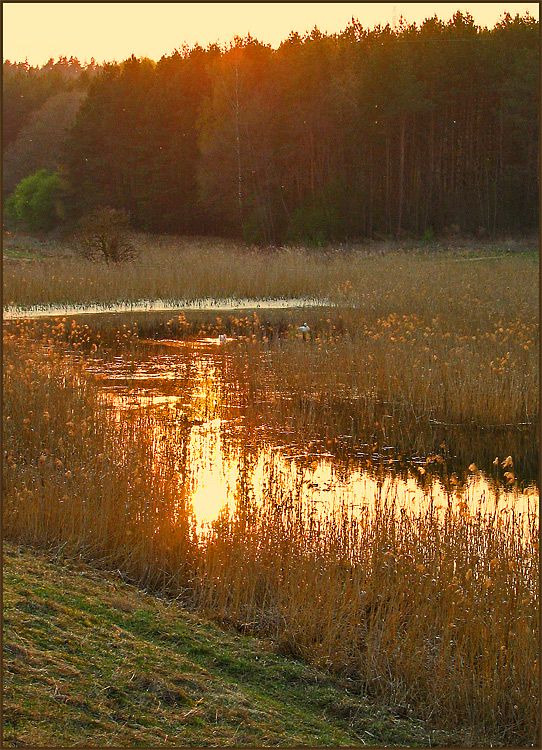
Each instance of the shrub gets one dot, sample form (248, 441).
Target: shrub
(38, 201)
(322, 218)
(104, 235)
(308, 225)
(429, 235)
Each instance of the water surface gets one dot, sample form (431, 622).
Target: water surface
(226, 454)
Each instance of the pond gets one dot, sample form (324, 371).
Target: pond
(227, 452)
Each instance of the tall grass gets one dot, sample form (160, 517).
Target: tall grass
(374, 276)
(170, 269)
(429, 371)
(438, 615)
(446, 336)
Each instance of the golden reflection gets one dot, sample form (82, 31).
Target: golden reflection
(194, 417)
(210, 476)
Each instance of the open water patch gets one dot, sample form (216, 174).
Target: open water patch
(228, 456)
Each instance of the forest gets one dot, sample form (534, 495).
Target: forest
(412, 131)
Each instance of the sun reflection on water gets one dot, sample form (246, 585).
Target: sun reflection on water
(212, 478)
(222, 459)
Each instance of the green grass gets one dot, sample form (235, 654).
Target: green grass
(89, 658)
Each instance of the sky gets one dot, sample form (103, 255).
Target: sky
(113, 31)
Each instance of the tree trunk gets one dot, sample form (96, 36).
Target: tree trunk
(238, 143)
(401, 177)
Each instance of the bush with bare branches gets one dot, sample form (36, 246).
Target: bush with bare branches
(104, 235)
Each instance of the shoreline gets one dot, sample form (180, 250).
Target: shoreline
(207, 304)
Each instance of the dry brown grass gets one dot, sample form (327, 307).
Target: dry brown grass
(380, 278)
(451, 336)
(170, 269)
(427, 370)
(438, 614)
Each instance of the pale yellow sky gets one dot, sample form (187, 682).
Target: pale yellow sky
(113, 31)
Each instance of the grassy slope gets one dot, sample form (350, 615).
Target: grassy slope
(91, 659)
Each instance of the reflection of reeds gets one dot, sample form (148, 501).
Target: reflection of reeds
(438, 615)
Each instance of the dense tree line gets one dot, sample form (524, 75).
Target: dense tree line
(39, 108)
(26, 88)
(365, 133)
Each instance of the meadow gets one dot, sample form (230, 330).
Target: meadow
(437, 615)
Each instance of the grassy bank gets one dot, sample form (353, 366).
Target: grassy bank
(90, 659)
(438, 615)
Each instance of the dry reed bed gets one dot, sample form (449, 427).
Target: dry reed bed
(381, 279)
(169, 270)
(416, 370)
(283, 381)
(434, 335)
(386, 372)
(442, 616)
